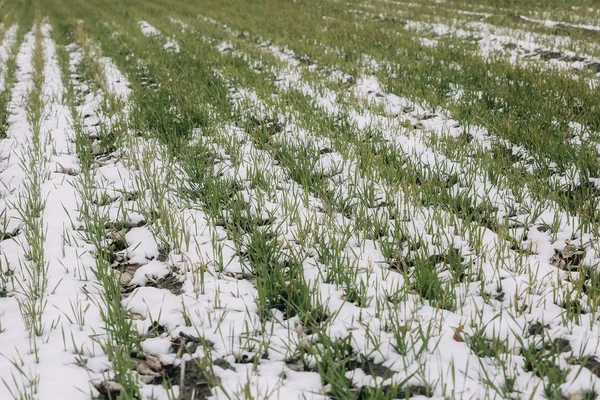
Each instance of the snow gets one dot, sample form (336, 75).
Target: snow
(67, 285)
(497, 262)
(551, 24)
(148, 30)
(217, 301)
(520, 47)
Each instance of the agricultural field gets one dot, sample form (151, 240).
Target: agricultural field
(308, 199)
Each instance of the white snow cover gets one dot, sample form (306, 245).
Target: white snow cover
(551, 24)
(15, 336)
(217, 302)
(520, 46)
(66, 338)
(150, 31)
(497, 261)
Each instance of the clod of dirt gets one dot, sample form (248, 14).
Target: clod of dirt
(304, 60)
(156, 329)
(425, 116)
(96, 148)
(401, 265)
(147, 374)
(370, 368)
(569, 258)
(125, 278)
(126, 268)
(150, 368)
(450, 254)
(186, 344)
(543, 228)
(192, 381)
(163, 255)
(592, 364)
(296, 367)
(537, 328)
(126, 288)
(224, 364)
(366, 392)
(146, 80)
(505, 153)
(127, 225)
(594, 67)
(116, 235)
(170, 282)
(117, 259)
(574, 306)
(236, 276)
(9, 235)
(67, 171)
(109, 390)
(549, 55)
(270, 126)
(562, 345)
(117, 239)
(220, 222)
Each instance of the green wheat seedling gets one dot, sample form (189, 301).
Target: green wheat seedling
(26, 388)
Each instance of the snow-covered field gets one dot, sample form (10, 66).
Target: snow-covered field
(299, 200)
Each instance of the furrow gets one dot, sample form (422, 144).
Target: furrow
(119, 228)
(60, 311)
(17, 155)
